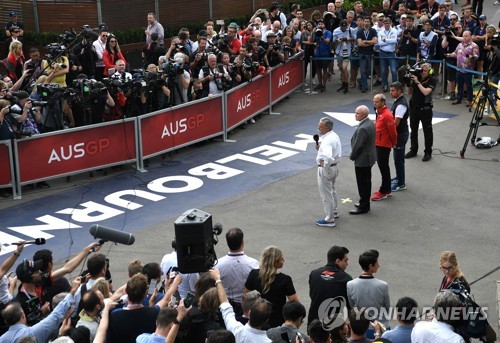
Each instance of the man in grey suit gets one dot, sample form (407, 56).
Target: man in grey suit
(364, 155)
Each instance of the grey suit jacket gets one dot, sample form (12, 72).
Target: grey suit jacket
(363, 151)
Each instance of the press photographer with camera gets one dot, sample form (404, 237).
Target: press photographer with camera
(427, 41)
(214, 77)
(24, 117)
(466, 54)
(178, 79)
(156, 92)
(449, 44)
(423, 84)
(274, 54)
(93, 98)
(34, 65)
(58, 67)
(199, 58)
(343, 38)
(408, 41)
(321, 38)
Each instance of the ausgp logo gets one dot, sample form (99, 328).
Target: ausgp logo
(332, 313)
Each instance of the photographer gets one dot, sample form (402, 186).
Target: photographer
(197, 92)
(321, 38)
(92, 106)
(421, 105)
(199, 58)
(5, 128)
(23, 116)
(344, 39)
(212, 76)
(246, 64)
(176, 47)
(408, 41)
(157, 92)
(466, 54)
(232, 70)
(274, 55)
(86, 55)
(153, 50)
(449, 45)
(178, 79)
(34, 65)
(427, 41)
(58, 69)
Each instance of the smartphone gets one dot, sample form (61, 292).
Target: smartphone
(188, 300)
(152, 286)
(220, 22)
(173, 300)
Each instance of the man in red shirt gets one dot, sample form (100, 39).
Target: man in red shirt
(385, 139)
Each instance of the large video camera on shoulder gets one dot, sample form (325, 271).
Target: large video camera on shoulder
(405, 72)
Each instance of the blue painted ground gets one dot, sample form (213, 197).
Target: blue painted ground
(255, 176)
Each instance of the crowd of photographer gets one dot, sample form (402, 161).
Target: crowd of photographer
(239, 299)
(82, 79)
(390, 37)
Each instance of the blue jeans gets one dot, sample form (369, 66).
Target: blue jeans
(399, 157)
(388, 59)
(467, 79)
(364, 66)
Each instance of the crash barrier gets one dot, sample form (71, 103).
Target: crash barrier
(72, 151)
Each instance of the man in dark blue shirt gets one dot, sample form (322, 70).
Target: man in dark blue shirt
(366, 38)
(322, 38)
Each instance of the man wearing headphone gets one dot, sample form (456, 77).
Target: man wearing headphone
(421, 110)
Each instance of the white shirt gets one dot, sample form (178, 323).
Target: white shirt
(99, 47)
(242, 333)
(434, 332)
(234, 269)
(5, 296)
(188, 280)
(330, 149)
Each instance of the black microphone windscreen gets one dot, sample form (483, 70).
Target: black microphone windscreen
(40, 241)
(316, 138)
(112, 235)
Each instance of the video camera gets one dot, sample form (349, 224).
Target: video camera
(449, 30)
(318, 32)
(405, 72)
(172, 69)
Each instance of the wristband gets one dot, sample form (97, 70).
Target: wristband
(218, 281)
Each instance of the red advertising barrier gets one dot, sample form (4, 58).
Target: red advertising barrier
(246, 101)
(5, 174)
(286, 78)
(182, 125)
(70, 151)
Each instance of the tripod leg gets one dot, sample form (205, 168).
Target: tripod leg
(474, 124)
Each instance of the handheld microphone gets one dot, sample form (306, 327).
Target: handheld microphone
(316, 139)
(37, 241)
(115, 236)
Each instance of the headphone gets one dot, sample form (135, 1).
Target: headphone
(28, 271)
(428, 65)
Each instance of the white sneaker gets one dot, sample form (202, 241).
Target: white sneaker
(315, 82)
(252, 121)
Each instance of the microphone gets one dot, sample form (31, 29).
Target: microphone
(112, 235)
(316, 139)
(37, 241)
(217, 229)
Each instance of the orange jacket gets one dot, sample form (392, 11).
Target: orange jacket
(385, 129)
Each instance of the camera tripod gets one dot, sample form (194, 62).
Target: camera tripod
(487, 95)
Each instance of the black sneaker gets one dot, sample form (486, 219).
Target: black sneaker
(377, 82)
(426, 157)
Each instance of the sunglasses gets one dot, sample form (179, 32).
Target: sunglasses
(16, 31)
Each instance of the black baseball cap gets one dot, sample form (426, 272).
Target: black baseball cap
(25, 270)
(13, 14)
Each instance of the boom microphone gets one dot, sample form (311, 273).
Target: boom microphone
(37, 241)
(316, 139)
(111, 235)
